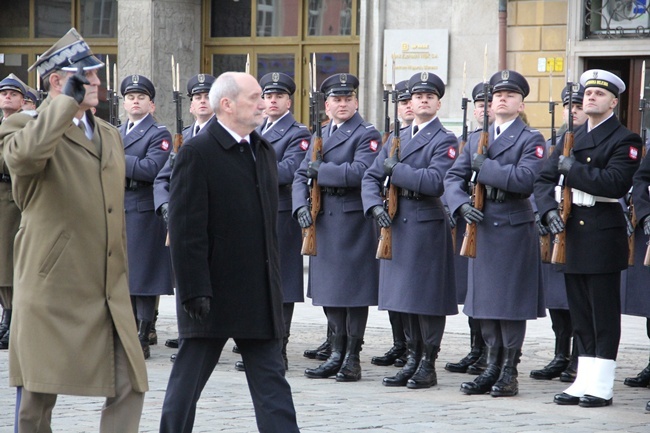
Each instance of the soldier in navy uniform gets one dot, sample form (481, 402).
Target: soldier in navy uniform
(599, 172)
(146, 147)
(505, 279)
(396, 355)
(565, 362)
(475, 361)
(343, 276)
(197, 90)
(419, 280)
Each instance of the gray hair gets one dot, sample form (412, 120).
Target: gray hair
(225, 86)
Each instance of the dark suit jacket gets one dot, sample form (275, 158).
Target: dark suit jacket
(223, 209)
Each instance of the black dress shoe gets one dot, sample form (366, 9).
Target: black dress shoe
(235, 349)
(172, 343)
(640, 381)
(593, 401)
(568, 375)
(565, 399)
(389, 358)
(239, 366)
(462, 365)
(552, 370)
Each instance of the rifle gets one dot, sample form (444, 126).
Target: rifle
(564, 207)
(309, 233)
(385, 246)
(178, 136)
(468, 248)
(112, 96)
(463, 140)
(545, 241)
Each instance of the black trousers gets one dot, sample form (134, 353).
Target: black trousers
(195, 361)
(397, 324)
(561, 323)
(350, 321)
(287, 312)
(595, 305)
(426, 329)
(503, 333)
(144, 307)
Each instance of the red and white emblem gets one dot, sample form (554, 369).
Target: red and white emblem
(304, 144)
(374, 145)
(634, 153)
(451, 153)
(539, 151)
(164, 145)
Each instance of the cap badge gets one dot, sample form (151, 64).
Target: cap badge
(201, 78)
(343, 78)
(275, 77)
(135, 79)
(505, 74)
(575, 88)
(424, 76)
(595, 74)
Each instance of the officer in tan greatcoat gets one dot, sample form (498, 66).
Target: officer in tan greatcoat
(72, 299)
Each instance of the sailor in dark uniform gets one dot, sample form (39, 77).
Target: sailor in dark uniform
(343, 276)
(475, 361)
(146, 146)
(419, 280)
(565, 362)
(599, 172)
(505, 278)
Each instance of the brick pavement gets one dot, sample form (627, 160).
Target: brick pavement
(327, 406)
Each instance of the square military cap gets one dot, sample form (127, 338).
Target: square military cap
(478, 92)
(277, 82)
(577, 94)
(426, 82)
(339, 85)
(603, 79)
(402, 89)
(12, 82)
(509, 80)
(30, 95)
(200, 83)
(68, 54)
(138, 84)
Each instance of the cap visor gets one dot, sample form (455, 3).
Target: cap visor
(88, 63)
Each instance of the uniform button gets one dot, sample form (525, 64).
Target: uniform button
(404, 219)
(495, 224)
(588, 159)
(329, 213)
(582, 223)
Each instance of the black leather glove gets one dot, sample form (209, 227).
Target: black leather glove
(75, 86)
(312, 168)
(381, 216)
(164, 212)
(541, 228)
(554, 221)
(628, 224)
(389, 164)
(646, 226)
(477, 161)
(470, 213)
(304, 217)
(172, 159)
(450, 218)
(197, 308)
(564, 164)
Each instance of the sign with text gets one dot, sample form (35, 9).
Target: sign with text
(415, 51)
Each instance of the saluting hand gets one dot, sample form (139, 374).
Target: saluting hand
(304, 217)
(74, 87)
(197, 308)
(554, 221)
(470, 213)
(381, 216)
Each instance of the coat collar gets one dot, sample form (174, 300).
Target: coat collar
(342, 133)
(597, 135)
(138, 131)
(506, 139)
(422, 138)
(226, 140)
(279, 129)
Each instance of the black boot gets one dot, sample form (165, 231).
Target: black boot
(483, 383)
(5, 324)
(425, 376)
(480, 365)
(389, 358)
(350, 370)
(570, 373)
(332, 365)
(641, 380)
(285, 341)
(153, 336)
(473, 356)
(144, 326)
(323, 351)
(507, 385)
(560, 363)
(413, 355)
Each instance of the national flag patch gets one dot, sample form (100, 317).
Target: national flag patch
(539, 151)
(451, 153)
(374, 145)
(304, 144)
(164, 145)
(634, 153)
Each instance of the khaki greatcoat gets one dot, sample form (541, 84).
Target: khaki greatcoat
(71, 295)
(9, 220)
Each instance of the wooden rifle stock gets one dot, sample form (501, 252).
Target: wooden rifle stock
(309, 233)
(630, 239)
(564, 208)
(468, 248)
(385, 246)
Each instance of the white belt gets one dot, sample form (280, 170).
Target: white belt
(581, 198)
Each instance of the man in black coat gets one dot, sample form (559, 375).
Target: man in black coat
(599, 171)
(222, 225)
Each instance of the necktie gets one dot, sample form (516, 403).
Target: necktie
(81, 125)
(129, 127)
(334, 128)
(244, 142)
(196, 130)
(268, 126)
(498, 131)
(415, 129)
